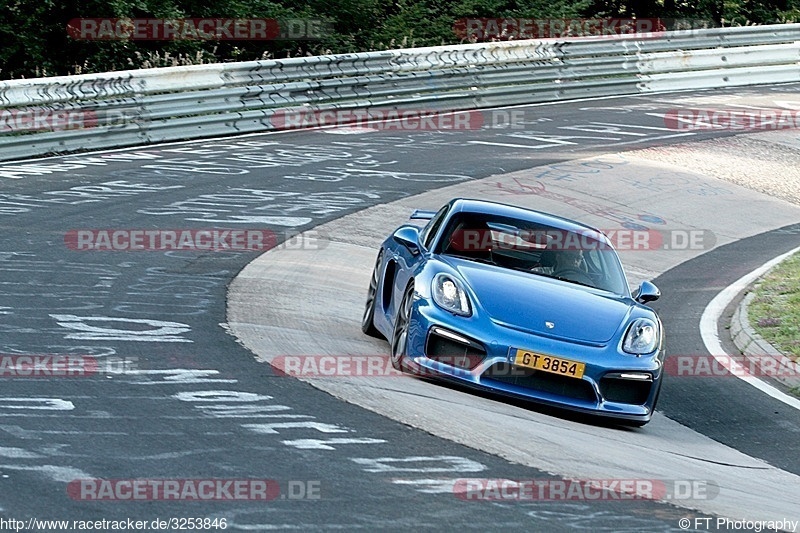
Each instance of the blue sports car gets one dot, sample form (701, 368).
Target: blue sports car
(520, 303)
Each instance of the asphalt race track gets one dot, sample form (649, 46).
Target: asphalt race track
(171, 394)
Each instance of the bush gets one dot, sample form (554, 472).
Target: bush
(34, 41)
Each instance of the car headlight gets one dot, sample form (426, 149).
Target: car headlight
(641, 338)
(449, 294)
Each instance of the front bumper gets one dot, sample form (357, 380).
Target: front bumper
(479, 353)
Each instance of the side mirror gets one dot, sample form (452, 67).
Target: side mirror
(408, 236)
(647, 292)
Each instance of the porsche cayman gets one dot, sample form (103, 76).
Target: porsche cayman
(521, 303)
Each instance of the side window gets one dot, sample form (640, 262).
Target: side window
(433, 227)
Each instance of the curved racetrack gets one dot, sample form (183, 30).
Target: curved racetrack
(185, 400)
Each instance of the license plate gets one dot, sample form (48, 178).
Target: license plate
(548, 363)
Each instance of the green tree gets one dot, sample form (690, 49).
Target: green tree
(34, 39)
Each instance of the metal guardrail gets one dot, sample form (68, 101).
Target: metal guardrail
(137, 107)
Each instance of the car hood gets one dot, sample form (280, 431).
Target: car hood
(529, 302)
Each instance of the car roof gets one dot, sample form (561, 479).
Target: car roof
(471, 205)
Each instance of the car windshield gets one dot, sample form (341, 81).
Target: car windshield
(578, 257)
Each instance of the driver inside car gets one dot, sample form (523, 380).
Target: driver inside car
(570, 265)
(569, 260)
(565, 264)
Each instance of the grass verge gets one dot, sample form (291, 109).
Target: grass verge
(774, 311)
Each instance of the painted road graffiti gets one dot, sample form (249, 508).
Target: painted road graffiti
(195, 405)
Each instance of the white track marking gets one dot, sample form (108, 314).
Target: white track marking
(710, 332)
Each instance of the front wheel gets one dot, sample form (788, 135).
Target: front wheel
(367, 320)
(401, 327)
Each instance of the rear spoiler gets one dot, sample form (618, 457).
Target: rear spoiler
(422, 214)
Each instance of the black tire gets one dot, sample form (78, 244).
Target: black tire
(367, 320)
(401, 325)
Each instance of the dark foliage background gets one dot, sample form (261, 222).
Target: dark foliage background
(34, 41)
